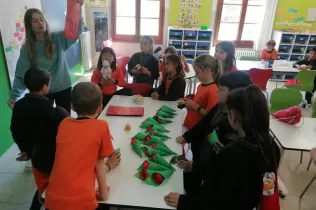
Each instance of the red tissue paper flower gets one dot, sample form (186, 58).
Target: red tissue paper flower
(154, 155)
(146, 165)
(150, 127)
(147, 138)
(154, 145)
(158, 120)
(147, 152)
(144, 175)
(158, 178)
(152, 132)
(133, 140)
(291, 115)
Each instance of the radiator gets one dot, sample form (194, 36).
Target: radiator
(86, 50)
(240, 53)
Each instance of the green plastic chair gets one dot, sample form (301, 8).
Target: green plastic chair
(283, 98)
(314, 109)
(249, 58)
(307, 81)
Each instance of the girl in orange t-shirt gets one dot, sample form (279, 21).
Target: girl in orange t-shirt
(109, 86)
(225, 52)
(207, 70)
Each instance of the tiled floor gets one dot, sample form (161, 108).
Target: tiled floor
(17, 187)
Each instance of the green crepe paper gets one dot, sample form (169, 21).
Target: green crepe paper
(159, 160)
(164, 148)
(159, 129)
(167, 111)
(118, 150)
(161, 120)
(164, 114)
(140, 136)
(137, 148)
(149, 180)
(162, 136)
(213, 139)
(169, 108)
(152, 151)
(146, 124)
(153, 166)
(152, 120)
(154, 139)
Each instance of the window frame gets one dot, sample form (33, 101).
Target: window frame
(238, 42)
(135, 38)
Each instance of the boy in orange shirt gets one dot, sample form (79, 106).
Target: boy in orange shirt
(207, 70)
(81, 146)
(269, 53)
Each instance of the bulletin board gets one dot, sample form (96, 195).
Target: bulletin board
(190, 13)
(12, 29)
(296, 15)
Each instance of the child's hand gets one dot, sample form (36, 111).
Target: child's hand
(180, 140)
(172, 199)
(144, 70)
(22, 157)
(114, 160)
(220, 145)
(186, 165)
(189, 104)
(155, 96)
(106, 81)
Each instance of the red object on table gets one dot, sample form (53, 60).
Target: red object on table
(291, 115)
(125, 111)
(292, 82)
(72, 19)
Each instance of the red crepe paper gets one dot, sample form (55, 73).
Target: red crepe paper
(150, 127)
(72, 19)
(147, 152)
(291, 115)
(158, 120)
(134, 140)
(154, 155)
(154, 145)
(144, 175)
(158, 178)
(146, 165)
(152, 132)
(147, 138)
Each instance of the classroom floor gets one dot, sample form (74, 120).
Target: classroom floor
(17, 187)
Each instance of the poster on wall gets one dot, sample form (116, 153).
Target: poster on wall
(101, 29)
(98, 3)
(189, 13)
(13, 30)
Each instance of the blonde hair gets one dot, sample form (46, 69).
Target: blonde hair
(151, 41)
(29, 41)
(206, 62)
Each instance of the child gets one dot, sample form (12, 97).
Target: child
(171, 50)
(225, 51)
(173, 83)
(233, 174)
(269, 53)
(109, 85)
(143, 65)
(309, 63)
(215, 119)
(207, 70)
(81, 146)
(34, 128)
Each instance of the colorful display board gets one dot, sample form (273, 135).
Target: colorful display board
(190, 13)
(296, 16)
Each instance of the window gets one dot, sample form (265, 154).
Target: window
(239, 21)
(135, 18)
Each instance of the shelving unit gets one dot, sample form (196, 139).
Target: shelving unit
(190, 42)
(293, 46)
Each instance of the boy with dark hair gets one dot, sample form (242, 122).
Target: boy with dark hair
(308, 64)
(34, 126)
(81, 146)
(215, 119)
(269, 53)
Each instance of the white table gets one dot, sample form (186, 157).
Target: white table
(126, 189)
(300, 137)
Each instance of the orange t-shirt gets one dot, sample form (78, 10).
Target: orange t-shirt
(205, 97)
(265, 55)
(109, 89)
(79, 143)
(41, 180)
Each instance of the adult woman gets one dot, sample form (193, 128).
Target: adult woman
(44, 50)
(148, 70)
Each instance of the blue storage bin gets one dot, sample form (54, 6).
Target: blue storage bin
(312, 40)
(190, 61)
(285, 48)
(296, 57)
(176, 44)
(299, 49)
(189, 45)
(287, 38)
(203, 46)
(178, 52)
(301, 39)
(188, 54)
(201, 53)
(283, 57)
(204, 36)
(309, 48)
(176, 34)
(190, 35)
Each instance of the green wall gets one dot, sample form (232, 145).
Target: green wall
(5, 112)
